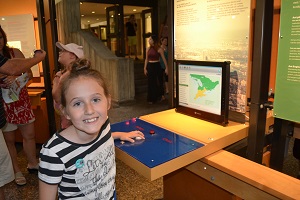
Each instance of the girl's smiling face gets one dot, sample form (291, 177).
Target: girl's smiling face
(86, 106)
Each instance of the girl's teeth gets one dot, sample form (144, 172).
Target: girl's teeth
(90, 120)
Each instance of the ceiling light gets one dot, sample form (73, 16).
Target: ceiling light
(80, 2)
(93, 12)
(82, 15)
(134, 10)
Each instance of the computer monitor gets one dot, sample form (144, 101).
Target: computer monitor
(202, 90)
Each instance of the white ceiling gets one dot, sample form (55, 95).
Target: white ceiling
(86, 9)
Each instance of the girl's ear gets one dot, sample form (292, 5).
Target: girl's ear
(64, 112)
(72, 56)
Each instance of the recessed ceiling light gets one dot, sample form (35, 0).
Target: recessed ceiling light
(80, 2)
(134, 10)
(2, 18)
(82, 15)
(88, 21)
(93, 12)
(97, 19)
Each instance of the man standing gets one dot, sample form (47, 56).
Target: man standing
(131, 28)
(11, 67)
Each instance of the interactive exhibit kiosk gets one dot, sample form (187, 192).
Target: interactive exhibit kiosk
(197, 127)
(185, 145)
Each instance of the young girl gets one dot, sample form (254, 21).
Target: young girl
(68, 54)
(79, 161)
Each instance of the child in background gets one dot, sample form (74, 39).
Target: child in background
(79, 161)
(68, 54)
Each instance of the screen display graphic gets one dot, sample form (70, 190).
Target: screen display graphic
(202, 89)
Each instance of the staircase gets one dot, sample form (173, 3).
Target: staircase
(140, 80)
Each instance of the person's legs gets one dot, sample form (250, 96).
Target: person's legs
(6, 169)
(166, 83)
(129, 46)
(135, 51)
(29, 144)
(129, 51)
(9, 137)
(134, 42)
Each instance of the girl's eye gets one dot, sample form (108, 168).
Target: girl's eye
(96, 100)
(77, 104)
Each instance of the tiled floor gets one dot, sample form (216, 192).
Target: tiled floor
(130, 185)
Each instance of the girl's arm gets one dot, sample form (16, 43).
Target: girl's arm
(127, 136)
(146, 62)
(161, 52)
(47, 191)
(56, 87)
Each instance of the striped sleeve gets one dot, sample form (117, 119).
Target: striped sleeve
(51, 167)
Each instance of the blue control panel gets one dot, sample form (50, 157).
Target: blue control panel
(159, 146)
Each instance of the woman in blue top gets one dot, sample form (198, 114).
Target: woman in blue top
(164, 46)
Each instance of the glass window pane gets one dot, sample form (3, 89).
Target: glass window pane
(148, 22)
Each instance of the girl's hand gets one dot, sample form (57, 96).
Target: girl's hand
(166, 70)
(132, 134)
(145, 71)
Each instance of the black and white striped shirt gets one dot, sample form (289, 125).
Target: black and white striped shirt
(82, 171)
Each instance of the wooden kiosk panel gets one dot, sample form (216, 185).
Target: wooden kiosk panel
(213, 136)
(247, 179)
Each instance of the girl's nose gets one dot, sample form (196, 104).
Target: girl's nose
(89, 109)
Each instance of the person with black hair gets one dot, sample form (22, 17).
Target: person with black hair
(12, 67)
(131, 28)
(152, 69)
(23, 119)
